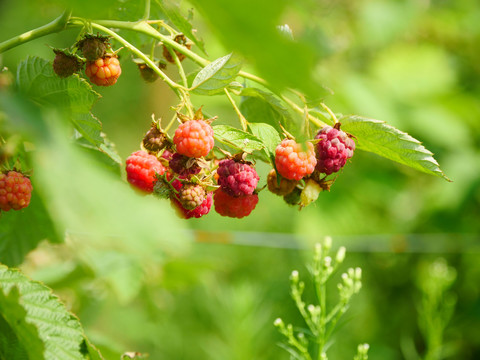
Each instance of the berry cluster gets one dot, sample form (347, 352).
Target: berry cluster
(101, 63)
(185, 170)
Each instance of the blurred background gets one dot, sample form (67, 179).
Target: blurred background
(411, 63)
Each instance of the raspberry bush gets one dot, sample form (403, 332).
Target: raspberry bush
(226, 137)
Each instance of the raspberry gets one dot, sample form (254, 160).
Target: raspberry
(194, 138)
(93, 47)
(142, 169)
(199, 211)
(154, 140)
(191, 196)
(147, 73)
(181, 39)
(183, 165)
(167, 155)
(103, 71)
(237, 178)
(283, 188)
(292, 162)
(334, 149)
(15, 191)
(310, 192)
(65, 65)
(235, 207)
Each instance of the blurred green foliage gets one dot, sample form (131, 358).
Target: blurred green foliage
(411, 63)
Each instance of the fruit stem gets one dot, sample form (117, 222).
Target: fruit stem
(243, 121)
(56, 25)
(299, 110)
(146, 14)
(330, 112)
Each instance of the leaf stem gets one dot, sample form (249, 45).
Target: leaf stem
(243, 121)
(330, 112)
(146, 14)
(56, 25)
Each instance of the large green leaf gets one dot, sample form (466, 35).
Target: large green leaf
(19, 339)
(39, 320)
(237, 138)
(22, 230)
(172, 10)
(261, 106)
(382, 139)
(217, 75)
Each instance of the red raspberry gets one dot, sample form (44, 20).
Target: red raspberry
(235, 207)
(141, 170)
(183, 165)
(194, 138)
(283, 188)
(191, 196)
(199, 211)
(103, 71)
(292, 162)
(15, 191)
(237, 178)
(333, 150)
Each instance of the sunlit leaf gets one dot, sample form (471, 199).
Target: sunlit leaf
(382, 139)
(237, 138)
(214, 77)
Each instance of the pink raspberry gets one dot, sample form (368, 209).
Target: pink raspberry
(194, 138)
(334, 149)
(237, 178)
(235, 207)
(142, 169)
(292, 161)
(199, 211)
(15, 191)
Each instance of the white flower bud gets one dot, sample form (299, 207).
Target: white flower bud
(294, 275)
(340, 254)
(327, 243)
(278, 322)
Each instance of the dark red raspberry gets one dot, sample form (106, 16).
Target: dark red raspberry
(235, 207)
(194, 138)
(93, 47)
(292, 161)
(199, 211)
(237, 178)
(142, 169)
(167, 155)
(184, 165)
(103, 71)
(65, 65)
(333, 150)
(191, 196)
(15, 191)
(283, 187)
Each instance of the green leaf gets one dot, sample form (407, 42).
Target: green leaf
(382, 139)
(21, 231)
(172, 10)
(268, 135)
(237, 138)
(250, 27)
(26, 304)
(19, 339)
(217, 75)
(259, 106)
(73, 95)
